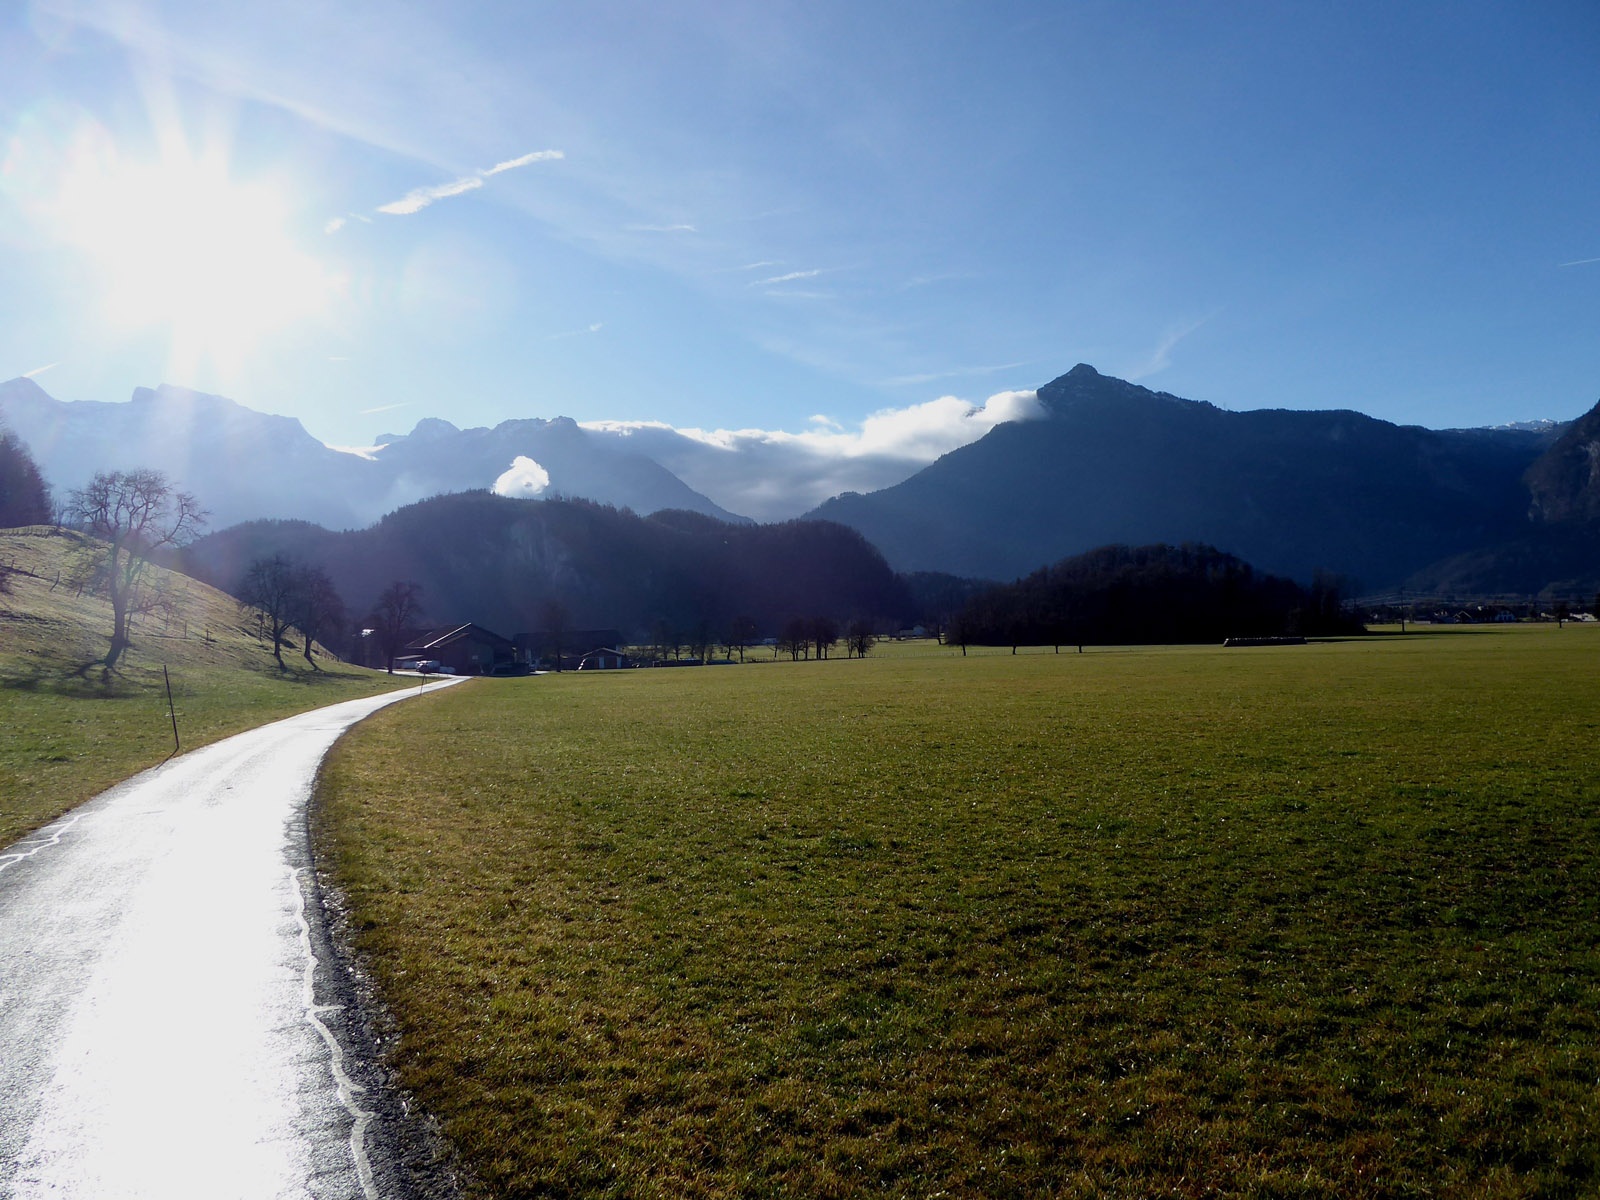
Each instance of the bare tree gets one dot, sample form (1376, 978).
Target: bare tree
(553, 621)
(741, 634)
(824, 633)
(321, 609)
(134, 513)
(272, 587)
(794, 638)
(393, 615)
(859, 638)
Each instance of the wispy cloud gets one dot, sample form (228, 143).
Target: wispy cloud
(764, 264)
(338, 223)
(789, 278)
(420, 198)
(919, 281)
(383, 408)
(511, 164)
(40, 370)
(1579, 262)
(572, 333)
(954, 373)
(661, 229)
(1161, 358)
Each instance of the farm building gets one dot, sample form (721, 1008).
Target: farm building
(465, 649)
(563, 647)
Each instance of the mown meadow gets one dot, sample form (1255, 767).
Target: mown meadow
(1296, 921)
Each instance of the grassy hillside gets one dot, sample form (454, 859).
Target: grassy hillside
(66, 733)
(1280, 922)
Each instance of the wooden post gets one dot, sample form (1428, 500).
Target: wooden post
(170, 709)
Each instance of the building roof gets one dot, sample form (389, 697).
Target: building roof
(436, 639)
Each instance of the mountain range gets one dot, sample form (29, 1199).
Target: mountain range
(1289, 491)
(245, 465)
(1097, 461)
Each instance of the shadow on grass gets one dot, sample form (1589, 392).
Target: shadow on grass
(90, 680)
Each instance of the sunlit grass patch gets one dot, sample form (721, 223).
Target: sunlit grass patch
(67, 732)
(1294, 921)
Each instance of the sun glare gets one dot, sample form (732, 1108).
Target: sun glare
(181, 244)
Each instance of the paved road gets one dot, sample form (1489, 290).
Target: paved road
(166, 1028)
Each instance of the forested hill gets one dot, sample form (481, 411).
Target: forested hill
(1158, 594)
(499, 561)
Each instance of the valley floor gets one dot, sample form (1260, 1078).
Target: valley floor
(1291, 921)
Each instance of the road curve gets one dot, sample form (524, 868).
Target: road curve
(166, 1028)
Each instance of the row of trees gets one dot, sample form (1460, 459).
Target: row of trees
(1148, 594)
(799, 637)
(290, 595)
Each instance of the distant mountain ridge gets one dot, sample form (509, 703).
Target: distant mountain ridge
(1289, 491)
(1101, 461)
(247, 465)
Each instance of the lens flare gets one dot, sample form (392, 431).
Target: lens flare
(177, 242)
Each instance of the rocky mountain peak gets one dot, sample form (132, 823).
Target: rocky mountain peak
(1564, 482)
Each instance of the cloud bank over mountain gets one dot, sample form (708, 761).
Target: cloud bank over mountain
(774, 474)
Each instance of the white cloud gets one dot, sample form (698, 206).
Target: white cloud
(370, 453)
(525, 480)
(418, 199)
(511, 164)
(40, 370)
(333, 226)
(383, 408)
(775, 474)
(661, 229)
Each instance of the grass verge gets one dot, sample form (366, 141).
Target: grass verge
(1284, 922)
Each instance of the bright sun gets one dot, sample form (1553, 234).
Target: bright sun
(182, 245)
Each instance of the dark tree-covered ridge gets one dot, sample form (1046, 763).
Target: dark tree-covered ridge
(502, 563)
(24, 495)
(1156, 594)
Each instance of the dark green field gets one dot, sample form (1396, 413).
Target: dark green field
(1311, 921)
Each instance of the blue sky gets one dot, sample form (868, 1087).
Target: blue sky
(755, 215)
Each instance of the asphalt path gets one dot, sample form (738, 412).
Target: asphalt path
(172, 1022)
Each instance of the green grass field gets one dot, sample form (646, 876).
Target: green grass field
(67, 734)
(1313, 921)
